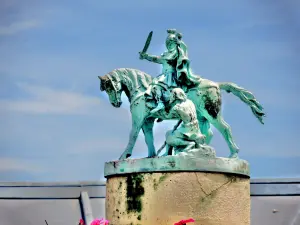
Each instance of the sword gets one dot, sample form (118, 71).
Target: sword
(146, 46)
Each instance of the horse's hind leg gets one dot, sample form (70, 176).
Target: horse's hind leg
(225, 130)
(218, 122)
(210, 108)
(148, 133)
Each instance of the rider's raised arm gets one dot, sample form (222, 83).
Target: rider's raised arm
(153, 58)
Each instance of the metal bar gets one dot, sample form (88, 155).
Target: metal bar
(53, 184)
(276, 181)
(258, 187)
(51, 192)
(86, 207)
(275, 189)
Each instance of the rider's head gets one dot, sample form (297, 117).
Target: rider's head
(173, 39)
(177, 94)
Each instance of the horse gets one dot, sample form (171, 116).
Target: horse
(206, 97)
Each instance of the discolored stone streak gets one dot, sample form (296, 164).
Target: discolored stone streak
(134, 192)
(120, 185)
(161, 179)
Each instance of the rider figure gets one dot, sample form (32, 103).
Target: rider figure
(176, 69)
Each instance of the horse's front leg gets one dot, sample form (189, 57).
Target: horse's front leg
(148, 133)
(137, 118)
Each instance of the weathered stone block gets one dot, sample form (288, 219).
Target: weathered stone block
(165, 197)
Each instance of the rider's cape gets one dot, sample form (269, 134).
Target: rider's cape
(185, 77)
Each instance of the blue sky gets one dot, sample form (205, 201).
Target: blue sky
(56, 125)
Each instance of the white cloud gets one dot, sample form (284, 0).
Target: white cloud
(49, 101)
(16, 27)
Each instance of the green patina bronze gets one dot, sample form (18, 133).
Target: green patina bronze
(176, 94)
(191, 161)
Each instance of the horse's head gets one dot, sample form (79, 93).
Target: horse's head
(113, 87)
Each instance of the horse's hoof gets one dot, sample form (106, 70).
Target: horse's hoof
(233, 155)
(124, 156)
(153, 155)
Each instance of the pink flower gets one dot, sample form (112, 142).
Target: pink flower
(183, 222)
(81, 222)
(100, 222)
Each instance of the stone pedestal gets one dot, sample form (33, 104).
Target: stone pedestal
(166, 190)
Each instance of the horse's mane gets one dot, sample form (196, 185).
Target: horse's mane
(132, 77)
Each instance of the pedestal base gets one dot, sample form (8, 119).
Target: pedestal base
(166, 197)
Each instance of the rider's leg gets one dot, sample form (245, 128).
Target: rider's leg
(175, 139)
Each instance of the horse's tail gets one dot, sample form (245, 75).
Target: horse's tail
(245, 96)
